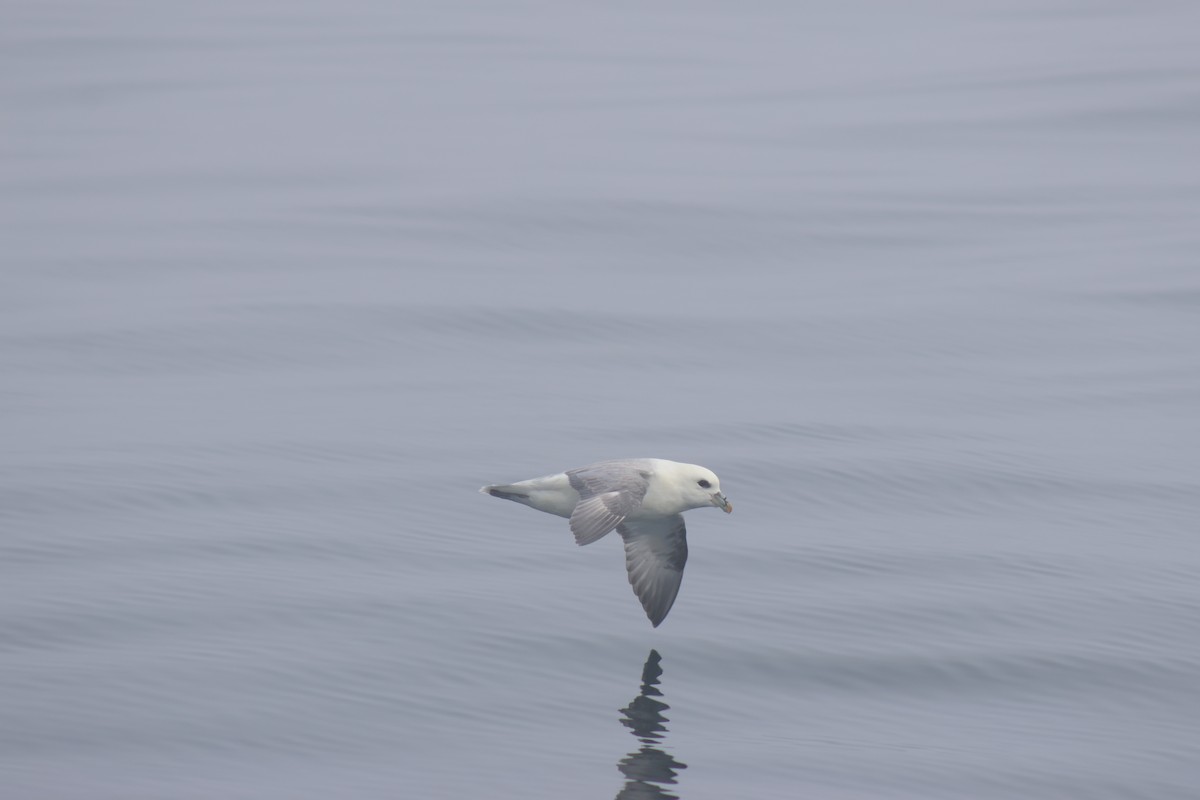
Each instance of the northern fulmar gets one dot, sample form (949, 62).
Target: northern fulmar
(643, 499)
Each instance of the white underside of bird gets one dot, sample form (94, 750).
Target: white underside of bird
(643, 499)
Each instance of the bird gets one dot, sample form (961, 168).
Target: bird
(643, 500)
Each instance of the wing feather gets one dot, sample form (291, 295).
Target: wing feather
(655, 554)
(593, 518)
(609, 491)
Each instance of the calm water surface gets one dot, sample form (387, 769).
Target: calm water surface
(282, 284)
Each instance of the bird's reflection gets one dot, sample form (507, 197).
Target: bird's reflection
(649, 768)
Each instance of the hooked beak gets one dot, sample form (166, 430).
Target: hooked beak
(720, 502)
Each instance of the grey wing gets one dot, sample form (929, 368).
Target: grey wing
(608, 492)
(655, 554)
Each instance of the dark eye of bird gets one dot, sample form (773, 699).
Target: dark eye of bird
(704, 484)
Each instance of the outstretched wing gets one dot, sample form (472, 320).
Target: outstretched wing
(608, 492)
(655, 554)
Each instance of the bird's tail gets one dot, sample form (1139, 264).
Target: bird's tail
(507, 492)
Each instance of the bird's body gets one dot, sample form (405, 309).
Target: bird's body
(643, 500)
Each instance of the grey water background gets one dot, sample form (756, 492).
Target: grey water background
(283, 283)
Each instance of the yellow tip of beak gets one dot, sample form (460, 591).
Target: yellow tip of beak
(727, 508)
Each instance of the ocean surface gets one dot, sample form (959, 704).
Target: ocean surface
(283, 283)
